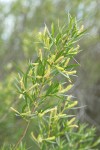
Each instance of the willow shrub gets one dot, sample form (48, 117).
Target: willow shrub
(44, 90)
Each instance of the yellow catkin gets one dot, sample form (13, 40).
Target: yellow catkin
(70, 72)
(39, 77)
(60, 68)
(66, 89)
(47, 73)
(73, 126)
(40, 54)
(59, 59)
(78, 46)
(66, 62)
(81, 29)
(22, 84)
(35, 64)
(71, 121)
(30, 72)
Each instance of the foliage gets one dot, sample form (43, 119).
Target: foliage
(44, 88)
(20, 22)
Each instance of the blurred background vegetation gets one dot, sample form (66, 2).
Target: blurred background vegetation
(20, 20)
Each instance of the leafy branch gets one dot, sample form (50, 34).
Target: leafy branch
(44, 91)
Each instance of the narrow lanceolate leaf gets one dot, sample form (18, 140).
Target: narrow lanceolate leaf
(33, 137)
(13, 109)
(52, 29)
(32, 87)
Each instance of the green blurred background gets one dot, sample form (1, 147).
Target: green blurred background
(20, 20)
